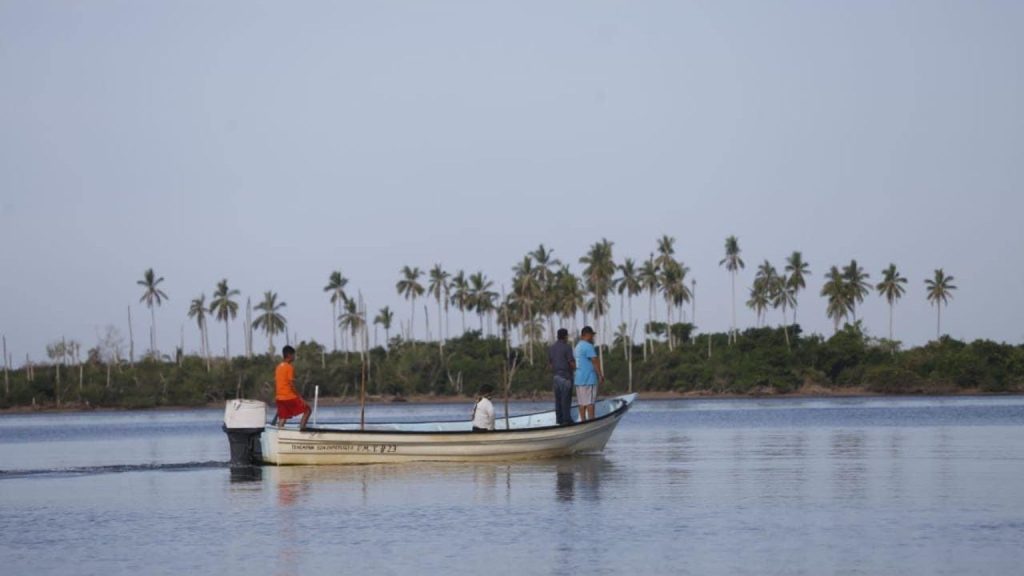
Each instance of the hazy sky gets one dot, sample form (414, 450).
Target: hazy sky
(270, 143)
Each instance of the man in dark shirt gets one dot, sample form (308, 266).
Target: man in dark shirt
(562, 363)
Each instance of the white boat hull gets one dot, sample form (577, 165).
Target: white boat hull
(531, 436)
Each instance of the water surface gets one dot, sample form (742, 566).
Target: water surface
(779, 486)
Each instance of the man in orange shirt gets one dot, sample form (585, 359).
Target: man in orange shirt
(289, 403)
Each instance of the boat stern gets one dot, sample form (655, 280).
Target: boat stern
(244, 421)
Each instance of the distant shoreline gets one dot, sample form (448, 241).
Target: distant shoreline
(426, 399)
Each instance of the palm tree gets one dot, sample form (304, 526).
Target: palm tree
(482, 298)
(940, 291)
(568, 296)
(857, 284)
(197, 310)
(733, 263)
(460, 295)
(891, 288)
(545, 272)
(840, 302)
(673, 286)
(759, 298)
(270, 319)
(224, 309)
(438, 288)
(650, 279)
(630, 284)
(152, 294)
(384, 317)
(527, 290)
(666, 251)
(336, 287)
(352, 319)
(409, 288)
(783, 295)
(796, 270)
(599, 267)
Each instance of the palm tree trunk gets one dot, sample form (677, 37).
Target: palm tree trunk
(426, 324)
(412, 322)
(890, 322)
(629, 327)
(131, 338)
(334, 323)
(440, 332)
(785, 329)
(227, 342)
(206, 343)
(732, 333)
(938, 320)
(152, 330)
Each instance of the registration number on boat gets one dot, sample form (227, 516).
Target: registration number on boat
(362, 448)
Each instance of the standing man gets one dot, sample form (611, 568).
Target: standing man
(562, 363)
(289, 403)
(588, 373)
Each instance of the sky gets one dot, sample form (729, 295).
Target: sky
(270, 143)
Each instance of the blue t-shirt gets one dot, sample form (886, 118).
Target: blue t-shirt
(585, 373)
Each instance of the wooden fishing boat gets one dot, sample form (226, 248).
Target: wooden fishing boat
(518, 437)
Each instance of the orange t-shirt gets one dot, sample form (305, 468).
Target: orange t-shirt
(285, 376)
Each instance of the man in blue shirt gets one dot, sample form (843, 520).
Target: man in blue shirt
(588, 373)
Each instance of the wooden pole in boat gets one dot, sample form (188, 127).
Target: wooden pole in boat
(316, 400)
(511, 372)
(362, 370)
(362, 396)
(505, 372)
(504, 377)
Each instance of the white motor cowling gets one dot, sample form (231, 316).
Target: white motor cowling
(243, 422)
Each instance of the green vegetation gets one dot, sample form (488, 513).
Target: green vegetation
(759, 363)
(667, 355)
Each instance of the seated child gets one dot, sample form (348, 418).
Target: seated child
(483, 412)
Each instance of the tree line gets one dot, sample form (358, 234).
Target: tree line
(545, 291)
(544, 294)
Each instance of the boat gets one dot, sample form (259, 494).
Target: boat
(515, 438)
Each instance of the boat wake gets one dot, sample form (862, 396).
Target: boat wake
(112, 469)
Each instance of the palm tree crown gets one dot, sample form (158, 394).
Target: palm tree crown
(410, 288)
(856, 282)
(599, 268)
(796, 270)
(336, 288)
(438, 288)
(152, 294)
(270, 319)
(733, 263)
(459, 287)
(840, 301)
(940, 291)
(224, 309)
(891, 288)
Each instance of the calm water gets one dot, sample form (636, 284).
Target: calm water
(850, 486)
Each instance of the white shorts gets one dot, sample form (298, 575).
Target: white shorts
(585, 395)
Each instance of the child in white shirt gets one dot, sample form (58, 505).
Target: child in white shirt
(483, 412)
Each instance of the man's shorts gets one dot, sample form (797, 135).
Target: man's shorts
(288, 408)
(585, 395)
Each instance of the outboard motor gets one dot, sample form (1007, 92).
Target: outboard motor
(243, 422)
